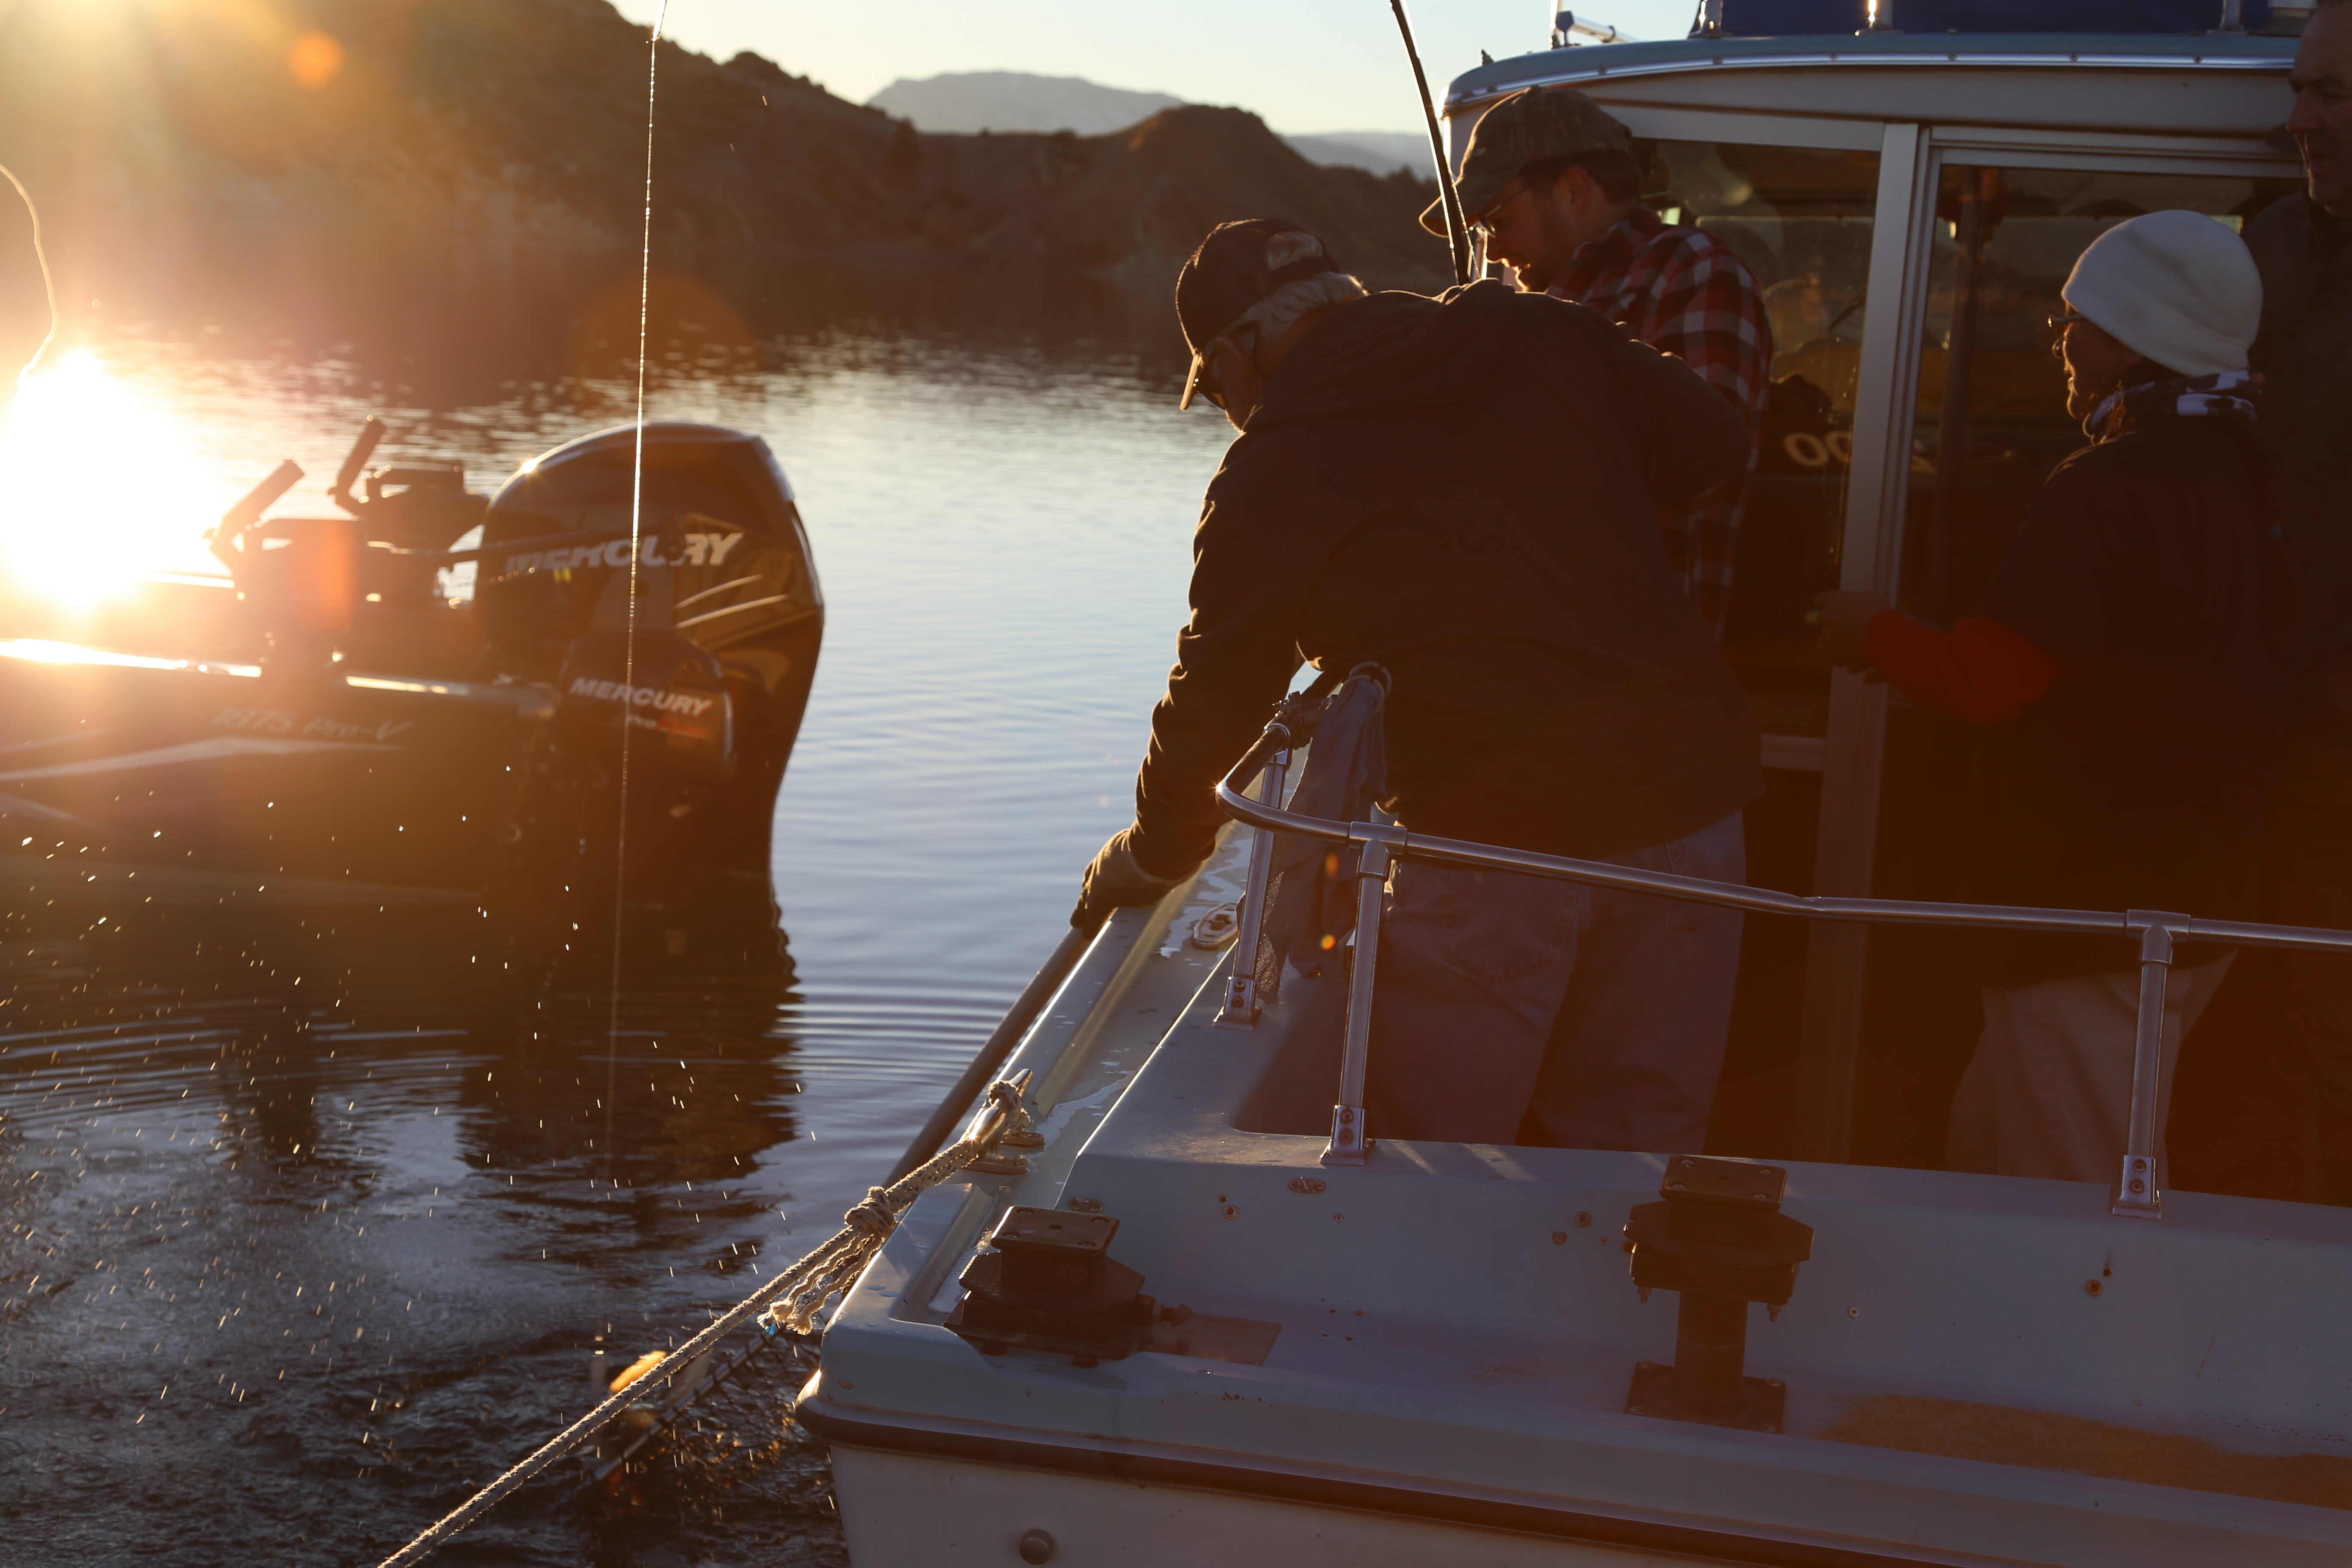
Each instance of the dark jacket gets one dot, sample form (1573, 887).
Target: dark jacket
(2136, 781)
(2304, 353)
(1466, 491)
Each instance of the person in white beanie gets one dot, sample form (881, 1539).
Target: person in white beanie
(2126, 663)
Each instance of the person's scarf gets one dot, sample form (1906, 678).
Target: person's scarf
(2231, 395)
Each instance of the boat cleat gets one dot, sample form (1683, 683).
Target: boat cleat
(1719, 1238)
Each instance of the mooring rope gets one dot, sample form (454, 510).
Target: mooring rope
(792, 1300)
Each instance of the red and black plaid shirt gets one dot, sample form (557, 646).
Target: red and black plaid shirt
(1682, 291)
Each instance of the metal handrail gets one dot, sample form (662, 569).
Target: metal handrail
(2159, 932)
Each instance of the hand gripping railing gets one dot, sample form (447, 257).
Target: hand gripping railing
(2137, 1192)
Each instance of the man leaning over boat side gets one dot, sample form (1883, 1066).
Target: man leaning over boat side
(26, 314)
(2303, 247)
(1551, 177)
(1465, 491)
(2126, 660)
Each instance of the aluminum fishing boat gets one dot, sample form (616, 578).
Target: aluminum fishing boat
(333, 721)
(1202, 1316)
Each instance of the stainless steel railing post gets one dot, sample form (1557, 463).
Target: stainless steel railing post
(1348, 1146)
(2137, 1194)
(1240, 1008)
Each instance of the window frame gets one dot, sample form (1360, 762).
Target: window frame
(1845, 846)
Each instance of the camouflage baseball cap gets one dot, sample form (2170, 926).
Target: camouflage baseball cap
(1239, 264)
(1533, 124)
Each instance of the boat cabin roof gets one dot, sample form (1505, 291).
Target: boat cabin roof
(2177, 83)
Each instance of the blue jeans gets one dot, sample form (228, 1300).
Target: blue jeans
(1513, 1010)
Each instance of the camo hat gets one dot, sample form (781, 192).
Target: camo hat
(1533, 124)
(1235, 267)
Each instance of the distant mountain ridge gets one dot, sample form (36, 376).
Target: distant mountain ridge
(967, 103)
(1380, 152)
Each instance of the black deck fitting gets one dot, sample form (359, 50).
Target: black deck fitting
(1050, 1284)
(1720, 1239)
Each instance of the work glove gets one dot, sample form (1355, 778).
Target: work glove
(1116, 882)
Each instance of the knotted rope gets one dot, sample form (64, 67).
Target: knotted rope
(789, 1300)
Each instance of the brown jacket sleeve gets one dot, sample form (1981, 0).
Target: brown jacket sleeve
(1234, 659)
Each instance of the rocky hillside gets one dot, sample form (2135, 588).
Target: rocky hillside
(522, 121)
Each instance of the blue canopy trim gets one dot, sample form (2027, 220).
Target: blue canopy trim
(1777, 18)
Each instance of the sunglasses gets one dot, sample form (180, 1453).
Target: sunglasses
(2058, 322)
(1489, 223)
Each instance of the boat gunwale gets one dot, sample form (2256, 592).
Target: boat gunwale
(891, 1321)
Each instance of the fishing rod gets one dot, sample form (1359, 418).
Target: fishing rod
(1457, 226)
(25, 290)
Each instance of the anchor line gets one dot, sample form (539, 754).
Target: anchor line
(787, 1304)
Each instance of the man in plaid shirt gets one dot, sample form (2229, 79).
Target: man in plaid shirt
(1551, 179)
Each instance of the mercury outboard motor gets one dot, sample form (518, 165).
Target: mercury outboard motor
(670, 691)
(728, 618)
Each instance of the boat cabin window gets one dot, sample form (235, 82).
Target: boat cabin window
(1990, 421)
(1801, 219)
(1989, 424)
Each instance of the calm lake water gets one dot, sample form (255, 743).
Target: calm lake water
(295, 1245)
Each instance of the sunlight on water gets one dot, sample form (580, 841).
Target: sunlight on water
(332, 1119)
(99, 482)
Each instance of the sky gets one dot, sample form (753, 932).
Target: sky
(1304, 65)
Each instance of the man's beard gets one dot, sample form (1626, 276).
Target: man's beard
(1558, 248)
(2334, 195)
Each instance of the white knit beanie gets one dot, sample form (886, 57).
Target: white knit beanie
(2175, 288)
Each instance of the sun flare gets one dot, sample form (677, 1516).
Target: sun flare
(94, 478)
(316, 59)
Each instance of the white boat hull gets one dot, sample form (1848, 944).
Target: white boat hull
(906, 1512)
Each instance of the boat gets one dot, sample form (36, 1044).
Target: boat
(331, 722)
(1197, 1310)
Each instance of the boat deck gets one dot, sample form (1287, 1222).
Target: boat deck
(1977, 1368)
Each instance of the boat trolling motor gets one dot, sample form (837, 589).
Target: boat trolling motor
(306, 578)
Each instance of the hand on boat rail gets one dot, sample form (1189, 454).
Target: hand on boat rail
(791, 1301)
(1116, 880)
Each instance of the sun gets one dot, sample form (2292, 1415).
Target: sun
(94, 478)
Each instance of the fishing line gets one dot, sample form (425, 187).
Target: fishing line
(629, 635)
